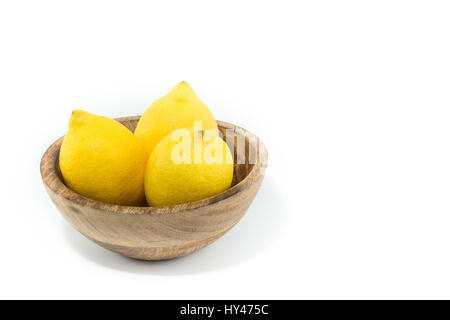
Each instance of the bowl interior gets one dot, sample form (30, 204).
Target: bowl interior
(250, 156)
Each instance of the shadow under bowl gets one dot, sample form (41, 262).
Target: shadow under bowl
(157, 233)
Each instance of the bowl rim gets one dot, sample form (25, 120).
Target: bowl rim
(53, 181)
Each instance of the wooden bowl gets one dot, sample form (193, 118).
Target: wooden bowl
(156, 233)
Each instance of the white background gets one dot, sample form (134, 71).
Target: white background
(351, 98)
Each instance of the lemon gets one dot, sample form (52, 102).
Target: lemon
(102, 160)
(188, 165)
(178, 109)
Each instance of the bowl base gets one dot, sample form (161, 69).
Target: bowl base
(159, 253)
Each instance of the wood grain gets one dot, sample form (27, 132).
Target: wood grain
(156, 233)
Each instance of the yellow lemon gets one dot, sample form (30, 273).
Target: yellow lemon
(178, 109)
(188, 165)
(102, 160)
